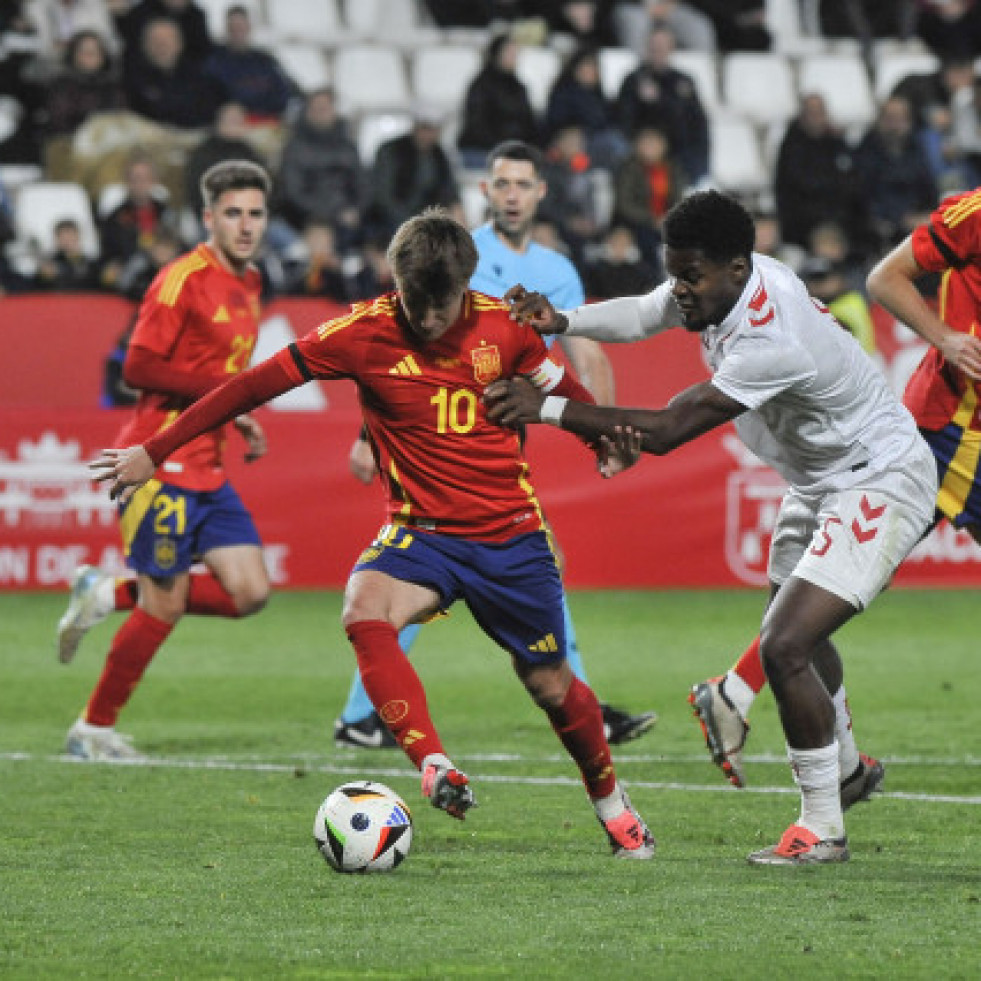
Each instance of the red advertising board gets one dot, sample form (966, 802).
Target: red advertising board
(701, 516)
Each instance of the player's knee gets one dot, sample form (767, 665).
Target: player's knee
(783, 654)
(251, 599)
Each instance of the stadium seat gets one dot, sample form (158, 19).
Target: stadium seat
(375, 128)
(306, 64)
(844, 82)
(538, 68)
(703, 69)
(40, 206)
(370, 77)
(759, 86)
(397, 22)
(891, 67)
(736, 162)
(308, 21)
(785, 21)
(440, 75)
(615, 64)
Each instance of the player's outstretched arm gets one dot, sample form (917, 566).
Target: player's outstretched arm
(535, 310)
(892, 284)
(691, 413)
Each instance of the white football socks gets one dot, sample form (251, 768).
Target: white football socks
(816, 773)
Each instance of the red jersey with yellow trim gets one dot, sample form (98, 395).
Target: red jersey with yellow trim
(938, 393)
(204, 319)
(444, 465)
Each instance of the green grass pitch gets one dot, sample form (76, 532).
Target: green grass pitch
(202, 864)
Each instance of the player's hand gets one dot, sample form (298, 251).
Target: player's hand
(534, 310)
(513, 401)
(128, 469)
(254, 436)
(621, 452)
(361, 461)
(964, 352)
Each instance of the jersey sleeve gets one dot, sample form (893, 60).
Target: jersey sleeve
(760, 366)
(325, 353)
(952, 237)
(161, 318)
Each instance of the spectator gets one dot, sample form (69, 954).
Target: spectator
(894, 175)
(131, 23)
(496, 107)
(249, 75)
(577, 99)
(87, 83)
(657, 95)
(828, 282)
(132, 224)
(815, 176)
(320, 175)
(945, 118)
(587, 21)
(59, 21)
(648, 184)
(227, 140)
(829, 242)
(67, 269)
(634, 19)
(618, 267)
(740, 25)
(570, 202)
(411, 173)
(163, 245)
(20, 93)
(376, 276)
(324, 271)
(949, 26)
(165, 84)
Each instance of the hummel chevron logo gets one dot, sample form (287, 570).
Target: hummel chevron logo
(869, 513)
(407, 366)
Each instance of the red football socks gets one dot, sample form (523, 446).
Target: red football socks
(578, 722)
(394, 688)
(749, 667)
(133, 647)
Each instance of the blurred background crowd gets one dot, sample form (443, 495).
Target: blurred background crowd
(840, 123)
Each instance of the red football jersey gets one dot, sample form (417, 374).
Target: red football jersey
(204, 319)
(938, 393)
(423, 407)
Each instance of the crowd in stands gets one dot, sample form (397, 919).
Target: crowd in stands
(134, 99)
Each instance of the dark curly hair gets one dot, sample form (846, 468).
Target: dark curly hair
(712, 223)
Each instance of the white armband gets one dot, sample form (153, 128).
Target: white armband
(552, 409)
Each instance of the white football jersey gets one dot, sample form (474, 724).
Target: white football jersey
(820, 413)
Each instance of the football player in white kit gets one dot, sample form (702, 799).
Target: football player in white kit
(807, 401)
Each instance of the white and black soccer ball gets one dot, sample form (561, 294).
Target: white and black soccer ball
(363, 826)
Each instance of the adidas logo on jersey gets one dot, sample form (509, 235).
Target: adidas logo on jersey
(407, 366)
(546, 645)
(221, 315)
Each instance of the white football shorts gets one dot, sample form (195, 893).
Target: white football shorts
(851, 542)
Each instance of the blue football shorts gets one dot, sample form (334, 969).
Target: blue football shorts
(166, 529)
(512, 589)
(957, 452)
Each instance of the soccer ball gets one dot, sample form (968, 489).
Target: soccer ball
(363, 827)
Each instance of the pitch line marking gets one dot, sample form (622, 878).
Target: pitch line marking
(307, 767)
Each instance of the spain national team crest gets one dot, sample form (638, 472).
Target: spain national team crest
(486, 363)
(165, 553)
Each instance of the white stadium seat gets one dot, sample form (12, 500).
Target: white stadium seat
(306, 64)
(376, 128)
(844, 82)
(538, 68)
(615, 64)
(891, 67)
(309, 21)
(42, 205)
(759, 86)
(736, 161)
(440, 75)
(370, 77)
(702, 68)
